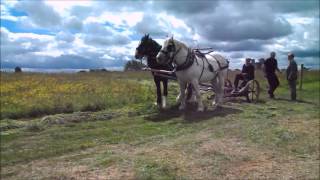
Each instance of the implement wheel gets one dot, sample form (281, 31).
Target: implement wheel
(253, 91)
(227, 83)
(227, 87)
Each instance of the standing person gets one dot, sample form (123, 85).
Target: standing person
(292, 75)
(270, 68)
(246, 74)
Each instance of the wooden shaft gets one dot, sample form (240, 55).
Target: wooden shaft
(203, 48)
(159, 71)
(165, 76)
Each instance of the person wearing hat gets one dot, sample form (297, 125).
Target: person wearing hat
(292, 75)
(246, 74)
(270, 67)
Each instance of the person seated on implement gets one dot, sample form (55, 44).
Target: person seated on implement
(246, 74)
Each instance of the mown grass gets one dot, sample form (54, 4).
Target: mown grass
(168, 144)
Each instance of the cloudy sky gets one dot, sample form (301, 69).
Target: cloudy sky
(96, 34)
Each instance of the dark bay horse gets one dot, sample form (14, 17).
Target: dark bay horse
(149, 48)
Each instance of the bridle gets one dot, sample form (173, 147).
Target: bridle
(149, 48)
(170, 49)
(142, 51)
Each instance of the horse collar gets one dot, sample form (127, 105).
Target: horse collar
(189, 61)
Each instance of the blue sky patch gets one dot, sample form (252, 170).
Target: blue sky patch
(15, 27)
(15, 12)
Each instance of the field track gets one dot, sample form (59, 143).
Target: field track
(105, 126)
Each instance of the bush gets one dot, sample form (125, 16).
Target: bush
(17, 69)
(134, 66)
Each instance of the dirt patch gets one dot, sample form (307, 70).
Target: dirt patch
(275, 168)
(116, 172)
(301, 125)
(84, 172)
(230, 158)
(64, 167)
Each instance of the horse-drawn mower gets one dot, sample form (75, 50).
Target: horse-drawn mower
(250, 89)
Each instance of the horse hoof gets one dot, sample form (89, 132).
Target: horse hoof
(200, 109)
(193, 99)
(178, 98)
(181, 107)
(158, 105)
(214, 104)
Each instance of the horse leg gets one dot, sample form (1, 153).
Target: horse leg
(214, 83)
(178, 98)
(165, 92)
(157, 82)
(182, 95)
(189, 91)
(196, 87)
(191, 94)
(220, 88)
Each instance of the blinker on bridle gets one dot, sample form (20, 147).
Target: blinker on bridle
(142, 49)
(171, 48)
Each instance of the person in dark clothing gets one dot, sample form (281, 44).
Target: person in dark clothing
(292, 75)
(270, 68)
(246, 74)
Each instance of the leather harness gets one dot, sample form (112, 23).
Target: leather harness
(189, 61)
(192, 55)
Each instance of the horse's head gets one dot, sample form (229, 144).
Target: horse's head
(142, 48)
(167, 52)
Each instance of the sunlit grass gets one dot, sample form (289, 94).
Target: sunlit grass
(31, 95)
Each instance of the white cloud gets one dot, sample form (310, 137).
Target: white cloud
(10, 3)
(174, 22)
(119, 19)
(40, 13)
(72, 23)
(63, 7)
(108, 32)
(106, 56)
(40, 37)
(65, 36)
(298, 20)
(51, 53)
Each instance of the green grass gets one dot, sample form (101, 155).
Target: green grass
(136, 140)
(28, 95)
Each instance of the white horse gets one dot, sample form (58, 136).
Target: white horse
(194, 68)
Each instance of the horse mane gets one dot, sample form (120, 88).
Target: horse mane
(155, 43)
(180, 43)
(151, 60)
(155, 47)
